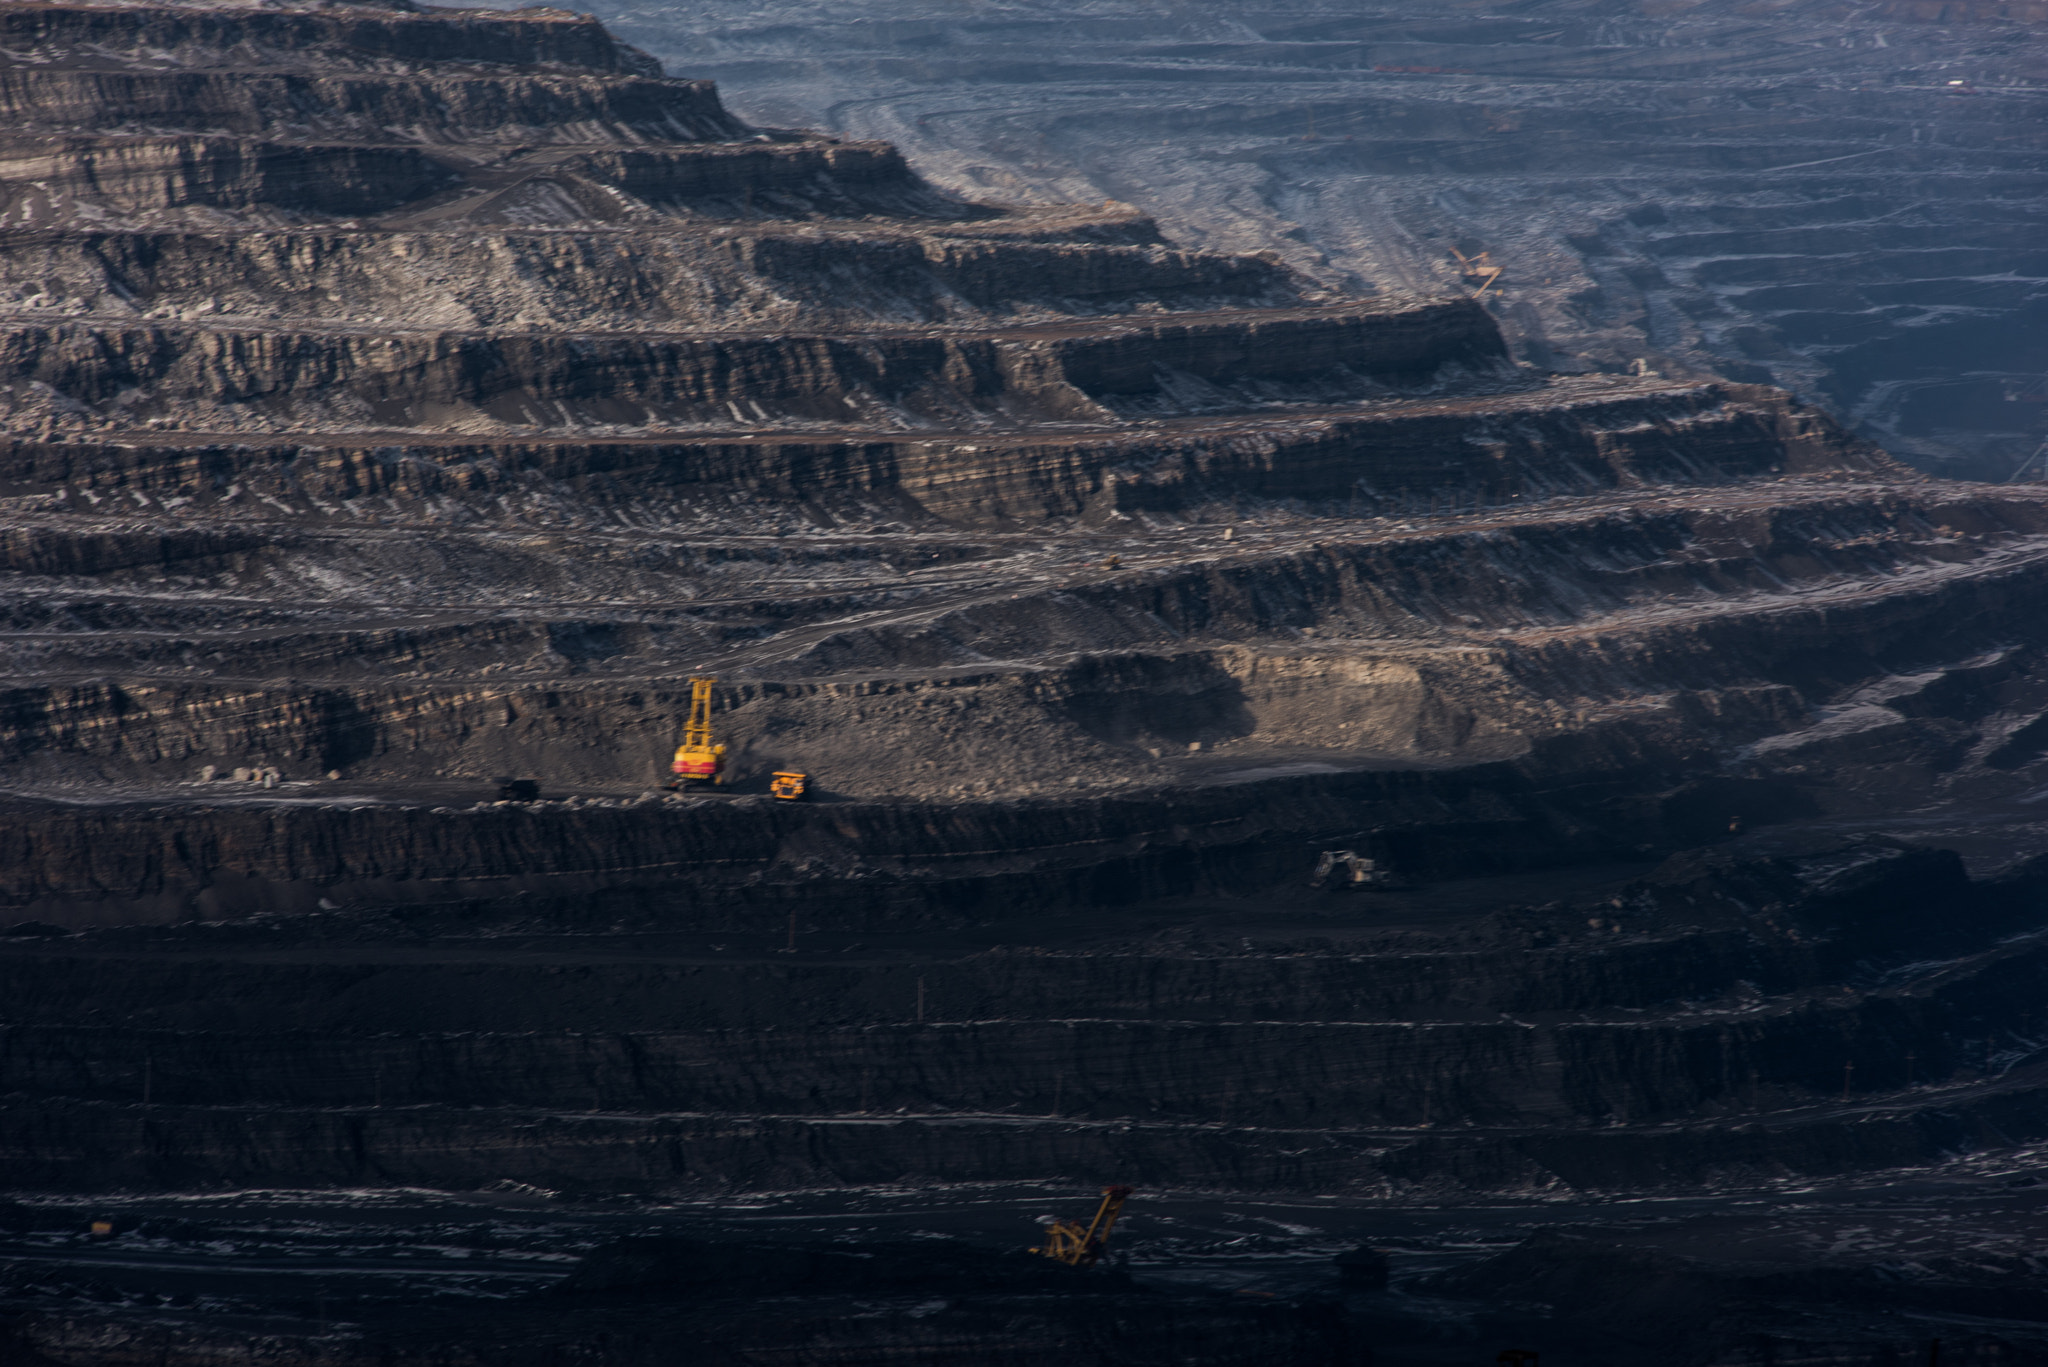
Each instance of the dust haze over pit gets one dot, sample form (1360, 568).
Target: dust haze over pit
(1834, 198)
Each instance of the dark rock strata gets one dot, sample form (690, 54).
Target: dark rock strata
(402, 400)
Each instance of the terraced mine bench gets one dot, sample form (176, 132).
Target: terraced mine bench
(399, 398)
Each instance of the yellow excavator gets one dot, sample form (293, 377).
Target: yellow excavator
(1068, 1242)
(1478, 270)
(697, 759)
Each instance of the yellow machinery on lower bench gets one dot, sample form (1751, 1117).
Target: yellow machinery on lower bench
(1067, 1242)
(697, 760)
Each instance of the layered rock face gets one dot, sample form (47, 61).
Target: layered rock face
(399, 398)
(415, 394)
(1526, 1047)
(1837, 196)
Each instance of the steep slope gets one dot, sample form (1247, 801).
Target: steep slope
(1837, 196)
(397, 399)
(401, 398)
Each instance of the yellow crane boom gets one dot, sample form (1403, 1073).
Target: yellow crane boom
(1067, 1241)
(697, 730)
(697, 760)
(1478, 270)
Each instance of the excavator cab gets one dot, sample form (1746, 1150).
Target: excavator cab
(697, 760)
(1341, 870)
(1067, 1241)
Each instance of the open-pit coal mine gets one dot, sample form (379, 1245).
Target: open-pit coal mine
(1508, 848)
(1841, 197)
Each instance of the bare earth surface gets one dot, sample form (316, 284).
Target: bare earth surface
(399, 401)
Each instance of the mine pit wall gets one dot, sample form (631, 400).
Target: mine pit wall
(341, 36)
(48, 551)
(1533, 962)
(426, 379)
(724, 866)
(498, 109)
(1707, 434)
(1323, 1074)
(979, 1049)
(715, 278)
(719, 866)
(143, 174)
(312, 993)
(1110, 1329)
(1134, 685)
(905, 737)
(1386, 599)
(519, 380)
(1388, 464)
(1403, 346)
(90, 1146)
(1264, 1074)
(1311, 1070)
(1811, 651)
(663, 176)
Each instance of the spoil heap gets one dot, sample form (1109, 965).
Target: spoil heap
(404, 397)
